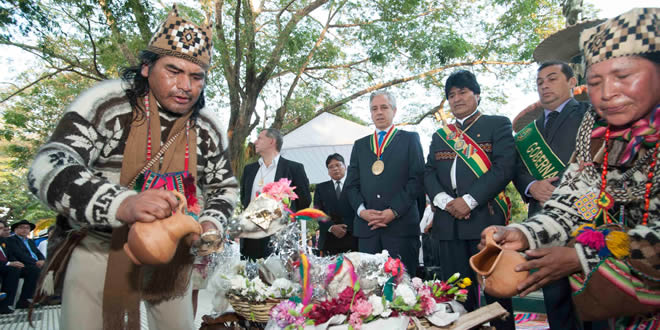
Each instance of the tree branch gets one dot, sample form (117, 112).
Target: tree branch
(279, 113)
(358, 24)
(426, 114)
(283, 38)
(46, 76)
(393, 82)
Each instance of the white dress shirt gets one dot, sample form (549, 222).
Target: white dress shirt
(441, 199)
(265, 174)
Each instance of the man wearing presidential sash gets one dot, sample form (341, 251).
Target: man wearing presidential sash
(544, 147)
(384, 183)
(470, 163)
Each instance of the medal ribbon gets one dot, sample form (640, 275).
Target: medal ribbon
(378, 149)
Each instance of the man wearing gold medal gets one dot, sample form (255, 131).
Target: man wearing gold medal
(466, 188)
(384, 184)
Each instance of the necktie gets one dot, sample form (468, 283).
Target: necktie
(552, 116)
(381, 135)
(338, 189)
(3, 257)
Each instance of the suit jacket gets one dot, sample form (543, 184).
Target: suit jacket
(399, 186)
(494, 136)
(561, 140)
(340, 212)
(258, 248)
(17, 251)
(289, 169)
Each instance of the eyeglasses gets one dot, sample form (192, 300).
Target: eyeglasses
(340, 165)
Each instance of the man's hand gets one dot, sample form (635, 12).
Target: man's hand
(338, 230)
(386, 216)
(147, 206)
(507, 238)
(458, 208)
(16, 264)
(542, 190)
(40, 263)
(552, 263)
(370, 215)
(194, 239)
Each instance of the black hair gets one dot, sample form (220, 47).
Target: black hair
(462, 79)
(652, 56)
(336, 157)
(139, 85)
(565, 68)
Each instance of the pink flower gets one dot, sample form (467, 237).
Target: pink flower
(362, 307)
(428, 304)
(393, 266)
(355, 321)
(424, 291)
(280, 190)
(417, 283)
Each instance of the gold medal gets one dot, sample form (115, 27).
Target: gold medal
(459, 144)
(377, 167)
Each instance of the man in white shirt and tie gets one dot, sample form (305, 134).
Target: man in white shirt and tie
(270, 167)
(336, 234)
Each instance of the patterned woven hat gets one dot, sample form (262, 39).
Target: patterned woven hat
(180, 38)
(632, 33)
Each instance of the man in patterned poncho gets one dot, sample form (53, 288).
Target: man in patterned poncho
(88, 170)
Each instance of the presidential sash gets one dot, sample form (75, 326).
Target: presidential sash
(475, 158)
(535, 153)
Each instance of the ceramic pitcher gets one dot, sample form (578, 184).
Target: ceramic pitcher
(155, 242)
(495, 269)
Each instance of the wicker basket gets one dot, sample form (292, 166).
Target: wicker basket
(252, 311)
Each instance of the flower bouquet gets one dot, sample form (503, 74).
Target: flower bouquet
(252, 298)
(391, 306)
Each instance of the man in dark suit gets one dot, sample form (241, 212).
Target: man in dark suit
(22, 249)
(384, 185)
(269, 168)
(10, 272)
(466, 202)
(558, 124)
(336, 235)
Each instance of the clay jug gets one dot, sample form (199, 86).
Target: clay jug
(155, 243)
(495, 269)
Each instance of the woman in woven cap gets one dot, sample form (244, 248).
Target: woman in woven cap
(602, 223)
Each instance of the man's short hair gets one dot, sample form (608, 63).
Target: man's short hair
(390, 98)
(462, 79)
(274, 133)
(565, 68)
(336, 157)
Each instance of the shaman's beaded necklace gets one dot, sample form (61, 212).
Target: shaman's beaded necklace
(649, 182)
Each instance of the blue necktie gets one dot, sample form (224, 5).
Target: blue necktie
(25, 241)
(381, 135)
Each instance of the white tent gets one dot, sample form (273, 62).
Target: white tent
(311, 143)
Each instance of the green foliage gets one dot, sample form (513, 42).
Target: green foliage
(518, 206)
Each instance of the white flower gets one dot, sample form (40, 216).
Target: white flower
(417, 283)
(407, 293)
(377, 304)
(238, 282)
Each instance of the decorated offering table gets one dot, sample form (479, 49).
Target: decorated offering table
(293, 290)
